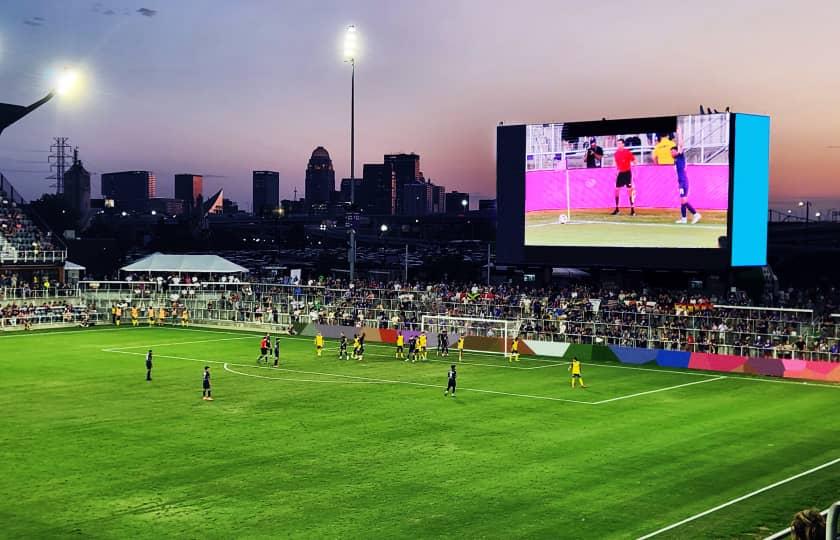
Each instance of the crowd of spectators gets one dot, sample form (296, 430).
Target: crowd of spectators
(18, 232)
(29, 314)
(38, 284)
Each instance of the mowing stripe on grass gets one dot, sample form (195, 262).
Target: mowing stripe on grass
(739, 499)
(226, 366)
(657, 390)
(114, 349)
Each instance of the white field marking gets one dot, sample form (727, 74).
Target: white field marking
(657, 390)
(22, 333)
(668, 225)
(356, 377)
(739, 499)
(552, 364)
(689, 372)
(114, 349)
(451, 360)
(227, 368)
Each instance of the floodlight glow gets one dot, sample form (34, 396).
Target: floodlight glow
(351, 43)
(383, 228)
(66, 81)
(464, 202)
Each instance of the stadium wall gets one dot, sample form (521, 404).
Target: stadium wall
(771, 367)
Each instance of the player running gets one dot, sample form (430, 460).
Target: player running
(624, 160)
(400, 346)
(678, 153)
(460, 347)
(574, 367)
(451, 379)
(205, 385)
(342, 348)
(319, 344)
(514, 350)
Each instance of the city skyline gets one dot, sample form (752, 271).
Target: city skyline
(259, 86)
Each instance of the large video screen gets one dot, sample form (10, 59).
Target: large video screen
(646, 183)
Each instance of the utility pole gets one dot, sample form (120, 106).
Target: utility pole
(58, 162)
(405, 276)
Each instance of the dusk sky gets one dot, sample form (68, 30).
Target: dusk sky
(222, 88)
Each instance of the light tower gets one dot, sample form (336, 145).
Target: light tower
(350, 49)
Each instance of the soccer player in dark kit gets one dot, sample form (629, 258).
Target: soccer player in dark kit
(450, 384)
(205, 385)
(678, 153)
(149, 365)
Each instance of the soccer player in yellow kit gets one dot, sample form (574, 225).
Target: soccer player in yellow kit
(161, 317)
(421, 342)
(356, 347)
(574, 367)
(460, 348)
(514, 350)
(118, 313)
(319, 343)
(400, 346)
(135, 316)
(150, 315)
(185, 317)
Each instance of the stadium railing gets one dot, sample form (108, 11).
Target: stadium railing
(747, 330)
(832, 525)
(53, 317)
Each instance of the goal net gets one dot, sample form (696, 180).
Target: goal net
(503, 330)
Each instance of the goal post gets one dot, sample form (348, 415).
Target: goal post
(472, 326)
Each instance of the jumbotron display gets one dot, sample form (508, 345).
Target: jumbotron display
(667, 188)
(670, 192)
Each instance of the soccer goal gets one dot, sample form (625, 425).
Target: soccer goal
(471, 326)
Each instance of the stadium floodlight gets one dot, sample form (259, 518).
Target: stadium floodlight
(383, 228)
(464, 203)
(154, 212)
(351, 44)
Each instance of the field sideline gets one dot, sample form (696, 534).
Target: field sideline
(328, 448)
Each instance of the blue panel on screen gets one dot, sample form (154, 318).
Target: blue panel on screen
(751, 190)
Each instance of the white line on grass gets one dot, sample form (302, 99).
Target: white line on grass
(114, 349)
(227, 368)
(357, 377)
(625, 223)
(657, 390)
(8, 334)
(739, 499)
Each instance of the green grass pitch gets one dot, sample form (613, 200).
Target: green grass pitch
(341, 449)
(648, 228)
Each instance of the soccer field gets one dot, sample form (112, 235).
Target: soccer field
(648, 228)
(323, 448)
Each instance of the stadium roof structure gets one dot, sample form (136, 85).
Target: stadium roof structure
(68, 265)
(194, 264)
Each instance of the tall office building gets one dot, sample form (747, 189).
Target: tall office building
(345, 188)
(417, 199)
(320, 178)
(129, 185)
(188, 188)
(438, 199)
(265, 192)
(378, 189)
(77, 187)
(406, 169)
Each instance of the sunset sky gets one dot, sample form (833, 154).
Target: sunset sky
(222, 87)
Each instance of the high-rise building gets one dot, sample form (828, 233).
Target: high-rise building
(378, 189)
(345, 188)
(129, 185)
(406, 169)
(320, 178)
(438, 199)
(455, 203)
(188, 188)
(487, 205)
(417, 199)
(266, 192)
(77, 187)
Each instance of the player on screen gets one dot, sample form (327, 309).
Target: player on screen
(574, 367)
(594, 154)
(678, 153)
(624, 160)
(662, 152)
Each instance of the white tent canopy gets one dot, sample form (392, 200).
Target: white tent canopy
(175, 264)
(73, 266)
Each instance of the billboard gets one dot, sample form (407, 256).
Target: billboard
(686, 191)
(635, 188)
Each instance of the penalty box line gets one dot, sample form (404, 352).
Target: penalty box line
(411, 383)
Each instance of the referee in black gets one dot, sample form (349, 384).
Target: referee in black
(450, 385)
(149, 365)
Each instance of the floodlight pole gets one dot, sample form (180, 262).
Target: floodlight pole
(352, 167)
